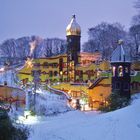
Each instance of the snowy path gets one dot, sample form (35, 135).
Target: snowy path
(123, 124)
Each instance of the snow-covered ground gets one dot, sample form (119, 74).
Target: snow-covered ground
(123, 124)
(50, 104)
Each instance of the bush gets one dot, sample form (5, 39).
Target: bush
(114, 102)
(10, 132)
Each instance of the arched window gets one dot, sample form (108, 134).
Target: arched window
(113, 71)
(120, 71)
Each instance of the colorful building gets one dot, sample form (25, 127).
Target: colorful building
(96, 79)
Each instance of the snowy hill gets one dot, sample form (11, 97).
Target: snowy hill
(123, 124)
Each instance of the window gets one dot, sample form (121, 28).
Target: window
(120, 71)
(45, 65)
(50, 73)
(55, 73)
(117, 85)
(54, 65)
(36, 65)
(113, 71)
(126, 69)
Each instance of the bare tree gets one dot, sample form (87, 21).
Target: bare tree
(135, 33)
(104, 37)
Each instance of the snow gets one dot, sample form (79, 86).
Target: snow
(123, 124)
(50, 104)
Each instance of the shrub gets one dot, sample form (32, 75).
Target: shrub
(8, 131)
(114, 102)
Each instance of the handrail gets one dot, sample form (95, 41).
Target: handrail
(56, 91)
(96, 81)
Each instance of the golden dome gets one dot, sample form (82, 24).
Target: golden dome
(73, 28)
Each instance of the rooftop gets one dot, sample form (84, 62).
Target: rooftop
(119, 55)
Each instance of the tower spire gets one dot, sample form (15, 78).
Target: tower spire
(73, 27)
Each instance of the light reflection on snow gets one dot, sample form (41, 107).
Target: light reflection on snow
(29, 120)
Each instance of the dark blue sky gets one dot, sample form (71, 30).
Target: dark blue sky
(49, 18)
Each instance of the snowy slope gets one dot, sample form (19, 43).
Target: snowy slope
(50, 104)
(123, 124)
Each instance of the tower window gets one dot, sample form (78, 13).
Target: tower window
(120, 71)
(126, 69)
(113, 71)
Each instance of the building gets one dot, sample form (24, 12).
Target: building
(94, 75)
(121, 64)
(75, 66)
(124, 79)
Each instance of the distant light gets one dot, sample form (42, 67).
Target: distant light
(82, 102)
(2, 69)
(27, 113)
(29, 63)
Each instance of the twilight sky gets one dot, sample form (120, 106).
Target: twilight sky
(49, 18)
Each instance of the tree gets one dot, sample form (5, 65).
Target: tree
(137, 4)
(135, 33)
(115, 101)
(104, 37)
(136, 20)
(8, 131)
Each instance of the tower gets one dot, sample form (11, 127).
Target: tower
(120, 63)
(73, 34)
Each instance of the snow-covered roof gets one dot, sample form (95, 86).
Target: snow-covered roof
(73, 27)
(119, 55)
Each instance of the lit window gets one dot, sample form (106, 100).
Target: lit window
(120, 71)
(113, 71)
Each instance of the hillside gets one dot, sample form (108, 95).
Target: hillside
(123, 124)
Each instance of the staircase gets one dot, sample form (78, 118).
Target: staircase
(96, 81)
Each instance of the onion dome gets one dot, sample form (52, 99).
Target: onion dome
(73, 28)
(119, 54)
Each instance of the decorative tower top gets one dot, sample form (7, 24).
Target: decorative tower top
(73, 28)
(119, 54)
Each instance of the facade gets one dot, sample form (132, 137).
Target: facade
(58, 69)
(99, 91)
(12, 95)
